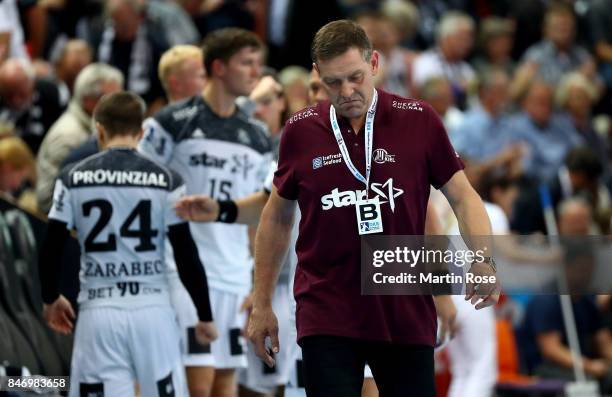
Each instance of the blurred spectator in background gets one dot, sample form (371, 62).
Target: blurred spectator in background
(176, 23)
(385, 33)
(438, 92)
(270, 106)
(556, 55)
(580, 176)
(74, 126)
(455, 40)
(316, 92)
(74, 56)
(543, 333)
(12, 43)
(16, 165)
(181, 72)
(478, 139)
(31, 105)
(600, 23)
(495, 42)
(547, 137)
(500, 189)
(577, 96)
(576, 218)
(209, 15)
(130, 40)
(290, 26)
(294, 80)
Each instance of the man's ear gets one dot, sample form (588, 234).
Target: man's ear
(101, 135)
(218, 68)
(140, 134)
(374, 62)
(316, 67)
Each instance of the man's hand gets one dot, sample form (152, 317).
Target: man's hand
(447, 312)
(198, 208)
(596, 368)
(263, 324)
(60, 315)
(482, 294)
(247, 306)
(206, 332)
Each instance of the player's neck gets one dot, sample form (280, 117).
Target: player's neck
(130, 142)
(222, 103)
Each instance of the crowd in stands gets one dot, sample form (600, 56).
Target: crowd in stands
(524, 88)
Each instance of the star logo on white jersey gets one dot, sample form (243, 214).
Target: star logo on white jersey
(388, 192)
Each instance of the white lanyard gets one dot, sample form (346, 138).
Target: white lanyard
(369, 136)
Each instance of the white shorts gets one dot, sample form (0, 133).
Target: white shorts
(258, 376)
(228, 351)
(116, 348)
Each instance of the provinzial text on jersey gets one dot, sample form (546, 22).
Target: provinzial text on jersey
(116, 177)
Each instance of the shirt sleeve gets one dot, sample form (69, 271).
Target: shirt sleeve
(284, 178)
(61, 209)
(442, 160)
(548, 318)
(170, 216)
(270, 177)
(157, 143)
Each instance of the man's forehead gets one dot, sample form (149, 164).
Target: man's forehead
(344, 65)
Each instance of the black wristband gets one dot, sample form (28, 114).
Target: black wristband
(228, 211)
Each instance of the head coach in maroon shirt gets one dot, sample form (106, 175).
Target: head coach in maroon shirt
(364, 149)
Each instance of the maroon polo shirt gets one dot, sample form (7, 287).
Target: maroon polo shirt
(411, 151)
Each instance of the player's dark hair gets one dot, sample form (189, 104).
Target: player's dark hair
(224, 43)
(583, 159)
(336, 38)
(120, 113)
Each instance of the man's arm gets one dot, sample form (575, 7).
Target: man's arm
(271, 244)
(554, 351)
(475, 229)
(202, 208)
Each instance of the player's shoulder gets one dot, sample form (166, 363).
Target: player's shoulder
(175, 116)
(251, 131)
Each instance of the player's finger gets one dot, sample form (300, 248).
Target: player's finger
(71, 313)
(274, 340)
(488, 301)
(65, 319)
(470, 289)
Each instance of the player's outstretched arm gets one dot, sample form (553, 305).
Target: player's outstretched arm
(193, 277)
(57, 310)
(202, 208)
(271, 244)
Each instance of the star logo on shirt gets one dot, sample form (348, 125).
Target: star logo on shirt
(388, 192)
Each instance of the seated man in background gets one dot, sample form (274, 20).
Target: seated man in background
(543, 333)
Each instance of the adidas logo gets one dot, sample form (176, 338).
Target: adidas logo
(198, 134)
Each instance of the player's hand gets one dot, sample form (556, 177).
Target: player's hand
(197, 208)
(263, 324)
(247, 306)
(447, 312)
(206, 332)
(60, 315)
(482, 294)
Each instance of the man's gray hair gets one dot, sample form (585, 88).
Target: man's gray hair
(451, 22)
(90, 80)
